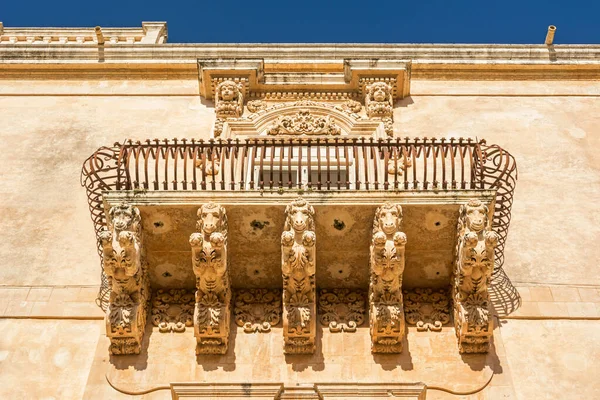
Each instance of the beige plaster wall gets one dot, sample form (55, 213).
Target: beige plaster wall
(46, 359)
(553, 359)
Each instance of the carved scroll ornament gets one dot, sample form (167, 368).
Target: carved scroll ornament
(341, 309)
(472, 272)
(385, 286)
(173, 310)
(298, 269)
(427, 309)
(213, 294)
(257, 310)
(125, 268)
(303, 123)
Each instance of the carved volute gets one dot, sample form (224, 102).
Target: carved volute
(213, 294)
(472, 272)
(385, 287)
(298, 269)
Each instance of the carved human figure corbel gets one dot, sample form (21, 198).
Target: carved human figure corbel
(379, 104)
(213, 294)
(125, 268)
(298, 269)
(385, 286)
(473, 269)
(229, 103)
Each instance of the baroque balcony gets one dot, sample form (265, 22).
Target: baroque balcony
(345, 180)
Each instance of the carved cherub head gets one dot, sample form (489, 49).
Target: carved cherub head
(300, 216)
(124, 217)
(388, 219)
(211, 218)
(475, 215)
(379, 92)
(227, 91)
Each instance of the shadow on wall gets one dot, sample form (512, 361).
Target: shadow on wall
(504, 296)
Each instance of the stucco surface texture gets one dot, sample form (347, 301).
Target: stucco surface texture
(47, 360)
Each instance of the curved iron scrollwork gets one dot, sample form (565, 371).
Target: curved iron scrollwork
(394, 164)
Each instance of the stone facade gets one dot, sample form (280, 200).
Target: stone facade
(443, 298)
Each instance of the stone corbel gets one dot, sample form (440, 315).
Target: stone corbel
(385, 286)
(473, 269)
(213, 294)
(298, 269)
(124, 265)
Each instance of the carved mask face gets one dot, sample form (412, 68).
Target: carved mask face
(299, 218)
(379, 94)
(122, 217)
(476, 217)
(210, 215)
(227, 92)
(389, 220)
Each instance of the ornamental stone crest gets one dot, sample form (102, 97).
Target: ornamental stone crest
(213, 294)
(125, 268)
(173, 310)
(385, 286)
(472, 272)
(341, 309)
(303, 123)
(298, 269)
(427, 309)
(257, 310)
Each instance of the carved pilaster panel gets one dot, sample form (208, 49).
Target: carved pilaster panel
(473, 268)
(213, 294)
(341, 309)
(298, 269)
(257, 310)
(124, 266)
(379, 104)
(173, 310)
(427, 309)
(385, 286)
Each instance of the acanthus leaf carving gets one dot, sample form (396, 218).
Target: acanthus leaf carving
(213, 294)
(173, 310)
(385, 286)
(124, 266)
(427, 309)
(341, 309)
(304, 123)
(474, 264)
(298, 270)
(257, 310)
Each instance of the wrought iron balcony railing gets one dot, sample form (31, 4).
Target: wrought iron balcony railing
(312, 164)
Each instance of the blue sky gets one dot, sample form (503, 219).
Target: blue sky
(310, 21)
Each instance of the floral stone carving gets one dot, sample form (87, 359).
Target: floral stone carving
(257, 310)
(472, 272)
(124, 265)
(428, 309)
(341, 309)
(303, 123)
(229, 103)
(213, 294)
(385, 286)
(256, 105)
(173, 310)
(379, 104)
(298, 268)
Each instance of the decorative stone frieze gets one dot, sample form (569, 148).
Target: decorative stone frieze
(385, 286)
(213, 294)
(472, 272)
(257, 310)
(173, 310)
(304, 123)
(379, 103)
(125, 268)
(341, 309)
(298, 268)
(427, 309)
